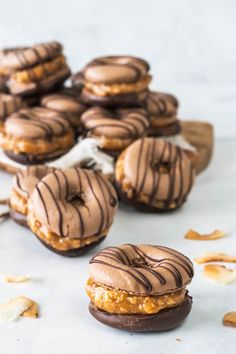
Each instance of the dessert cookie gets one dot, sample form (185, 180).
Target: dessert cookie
(23, 185)
(35, 69)
(154, 175)
(115, 128)
(140, 288)
(3, 88)
(71, 211)
(114, 80)
(162, 110)
(67, 102)
(8, 105)
(36, 135)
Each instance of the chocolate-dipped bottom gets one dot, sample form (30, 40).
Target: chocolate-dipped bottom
(162, 110)
(72, 209)
(19, 218)
(135, 287)
(163, 321)
(35, 69)
(115, 129)
(154, 175)
(133, 99)
(35, 135)
(24, 183)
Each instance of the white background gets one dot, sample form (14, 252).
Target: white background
(190, 44)
(192, 50)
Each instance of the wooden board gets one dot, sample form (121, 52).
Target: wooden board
(201, 135)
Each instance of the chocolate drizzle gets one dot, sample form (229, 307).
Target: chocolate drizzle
(121, 123)
(159, 170)
(75, 203)
(46, 123)
(141, 269)
(161, 104)
(26, 180)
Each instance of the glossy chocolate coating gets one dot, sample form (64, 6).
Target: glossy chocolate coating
(162, 321)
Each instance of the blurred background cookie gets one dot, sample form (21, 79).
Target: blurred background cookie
(114, 80)
(34, 70)
(36, 135)
(115, 129)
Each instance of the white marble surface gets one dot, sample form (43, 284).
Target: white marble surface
(65, 325)
(190, 44)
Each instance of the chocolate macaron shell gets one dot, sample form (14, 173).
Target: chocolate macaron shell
(64, 101)
(74, 203)
(19, 218)
(115, 69)
(131, 99)
(25, 181)
(161, 104)
(127, 123)
(75, 252)
(141, 269)
(36, 123)
(166, 319)
(21, 58)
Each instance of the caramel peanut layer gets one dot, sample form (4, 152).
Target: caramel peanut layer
(120, 302)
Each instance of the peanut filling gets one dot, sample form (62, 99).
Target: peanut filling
(112, 143)
(115, 89)
(18, 203)
(40, 71)
(127, 188)
(121, 302)
(36, 146)
(54, 240)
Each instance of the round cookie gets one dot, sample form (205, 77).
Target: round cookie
(154, 175)
(140, 287)
(115, 129)
(8, 105)
(35, 135)
(34, 70)
(71, 211)
(68, 103)
(114, 80)
(162, 110)
(24, 183)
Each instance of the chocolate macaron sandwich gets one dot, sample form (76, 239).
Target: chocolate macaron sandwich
(114, 80)
(33, 70)
(115, 129)
(162, 111)
(24, 183)
(140, 288)
(71, 211)
(68, 103)
(154, 175)
(35, 135)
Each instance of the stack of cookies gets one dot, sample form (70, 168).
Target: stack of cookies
(108, 117)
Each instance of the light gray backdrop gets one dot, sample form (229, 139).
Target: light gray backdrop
(190, 44)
